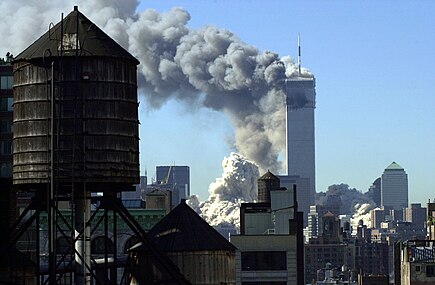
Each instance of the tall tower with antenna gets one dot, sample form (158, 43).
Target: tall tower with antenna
(300, 139)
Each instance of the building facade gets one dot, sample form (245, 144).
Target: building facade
(300, 140)
(415, 262)
(7, 203)
(375, 191)
(270, 244)
(416, 215)
(6, 115)
(394, 187)
(178, 180)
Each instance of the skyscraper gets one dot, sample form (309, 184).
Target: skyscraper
(178, 180)
(394, 187)
(6, 111)
(300, 156)
(6, 114)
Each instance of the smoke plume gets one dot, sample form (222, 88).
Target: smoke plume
(362, 213)
(347, 197)
(210, 66)
(237, 185)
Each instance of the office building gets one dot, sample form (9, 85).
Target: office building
(302, 186)
(6, 115)
(377, 216)
(394, 187)
(416, 215)
(375, 191)
(431, 220)
(414, 262)
(300, 148)
(177, 178)
(140, 191)
(270, 244)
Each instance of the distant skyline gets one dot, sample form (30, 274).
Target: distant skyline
(373, 63)
(374, 67)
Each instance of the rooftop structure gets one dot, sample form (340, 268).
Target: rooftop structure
(270, 244)
(202, 255)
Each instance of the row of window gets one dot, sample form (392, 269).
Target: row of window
(6, 82)
(430, 270)
(264, 260)
(6, 104)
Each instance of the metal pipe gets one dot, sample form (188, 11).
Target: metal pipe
(114, 273)
(51, 229)
(82, 239)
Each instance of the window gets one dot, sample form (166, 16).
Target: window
(5, 147)
(430, 270)
(264, 260)
(6, 104)
(10, 104)
(5, 125)
(3, 104)
(417, 268)
(6, 82)
(5, 169)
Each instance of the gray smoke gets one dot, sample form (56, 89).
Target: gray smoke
(237, 185)
(350, 199)
(209, 67)
(362, 213)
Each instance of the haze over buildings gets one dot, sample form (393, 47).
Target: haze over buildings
(348, 64)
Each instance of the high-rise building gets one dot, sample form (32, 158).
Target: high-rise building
(416, 214)
(6, 113)
(300, 156)
(431, 220)
(377, 216)
(140, 191)
(394, 187)
(375, 191)
(177, 178)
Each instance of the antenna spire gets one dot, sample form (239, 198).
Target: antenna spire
(299, 54)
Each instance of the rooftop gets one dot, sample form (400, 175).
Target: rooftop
(184, 230)
(80, 37)
(394, 166)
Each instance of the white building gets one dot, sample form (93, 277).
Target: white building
(270, 244)
(300, 156)
(394, 187)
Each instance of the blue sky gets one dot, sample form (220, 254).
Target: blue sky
(374, 65)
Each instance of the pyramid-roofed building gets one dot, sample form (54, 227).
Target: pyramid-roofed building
(184, 230)
(394, 166)
(202, 255)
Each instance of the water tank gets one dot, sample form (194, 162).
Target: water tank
(266, 183)
(95, 127)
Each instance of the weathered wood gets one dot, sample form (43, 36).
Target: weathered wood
(96, 122)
